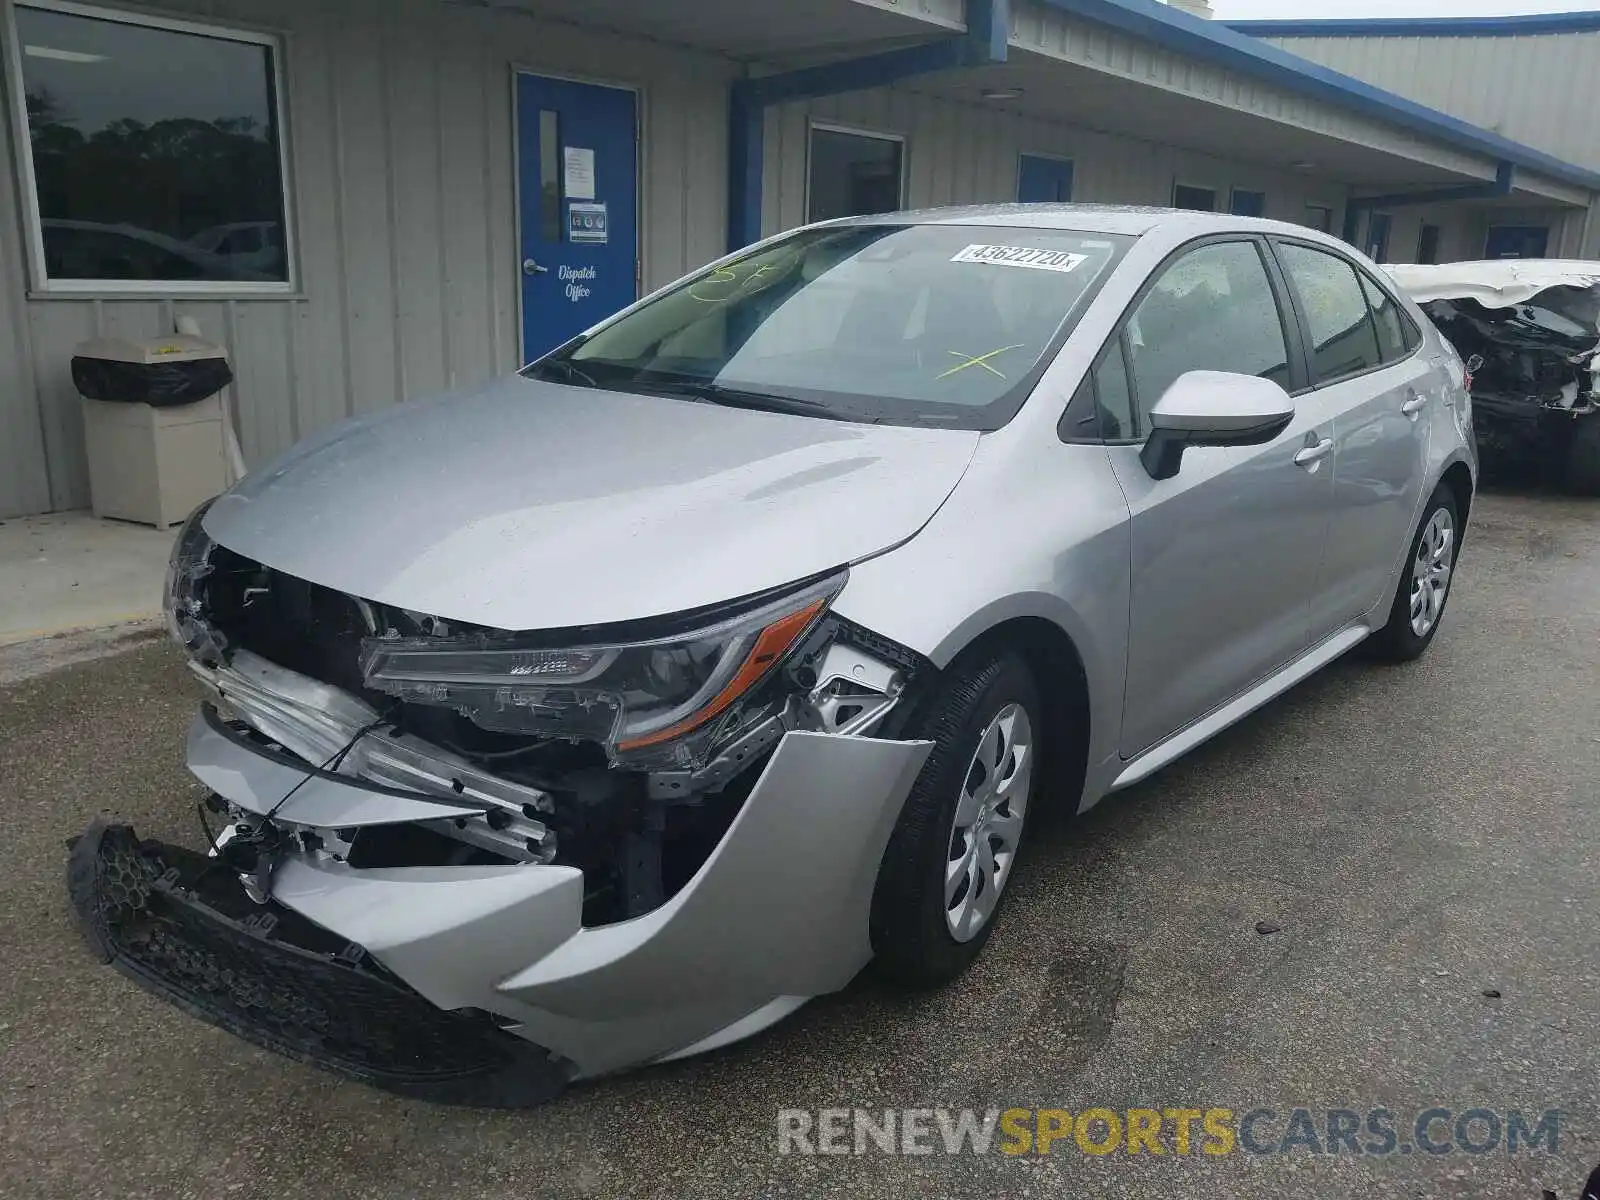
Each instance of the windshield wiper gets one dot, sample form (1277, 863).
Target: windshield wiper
(716, 393)
(570, 373)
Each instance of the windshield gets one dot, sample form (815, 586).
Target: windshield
(906, 324)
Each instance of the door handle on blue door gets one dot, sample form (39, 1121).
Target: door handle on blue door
(1415, 402)
(1316, 449)
(529, 267)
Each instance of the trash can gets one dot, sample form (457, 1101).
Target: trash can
(154, 425)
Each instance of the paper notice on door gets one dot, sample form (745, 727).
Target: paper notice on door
(579, 173)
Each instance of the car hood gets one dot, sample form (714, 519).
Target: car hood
(1497, 283)
(534, 505)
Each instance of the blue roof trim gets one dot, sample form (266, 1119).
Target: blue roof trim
(1568, 22)
(1217, 43)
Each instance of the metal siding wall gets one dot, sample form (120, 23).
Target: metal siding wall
(1533, 89)
(1050, 32)
(25, 483)
(965, 154)
(400, 118)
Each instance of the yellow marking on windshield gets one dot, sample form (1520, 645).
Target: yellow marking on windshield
(976, 360)
(725, 282)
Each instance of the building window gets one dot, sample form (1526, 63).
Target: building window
(1517, 241)
(1245, 203)
(1319, 217)
(1200, 199)
(154, 150)
(1377, 245)
(1428, 245)
(854, 174)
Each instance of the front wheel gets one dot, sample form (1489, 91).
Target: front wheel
(951, 853)
(1424, 587)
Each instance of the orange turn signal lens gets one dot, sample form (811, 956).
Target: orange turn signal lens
(772, 644)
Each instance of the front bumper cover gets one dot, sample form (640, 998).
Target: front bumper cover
(777, 914)
(169, 919)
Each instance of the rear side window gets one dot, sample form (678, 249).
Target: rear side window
(1344, 340)
(1396, 335)
(1212, 310)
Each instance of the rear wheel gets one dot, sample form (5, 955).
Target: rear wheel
(950, 856)
(1425, 583)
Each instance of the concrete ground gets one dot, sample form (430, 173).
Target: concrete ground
(1420, 836)
(70, 571)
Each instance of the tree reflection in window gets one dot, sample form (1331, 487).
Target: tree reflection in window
(155, 151)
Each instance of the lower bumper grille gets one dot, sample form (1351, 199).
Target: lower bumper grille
(182, 928)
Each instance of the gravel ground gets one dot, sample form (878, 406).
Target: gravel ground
(1419, 836)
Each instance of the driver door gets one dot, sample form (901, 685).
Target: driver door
(1227, 552)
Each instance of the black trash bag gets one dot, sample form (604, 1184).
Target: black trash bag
(160, 385)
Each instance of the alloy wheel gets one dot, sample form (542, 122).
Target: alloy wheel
(1430, 572)
(988, 822)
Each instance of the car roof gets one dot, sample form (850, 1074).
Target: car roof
(1131, 220)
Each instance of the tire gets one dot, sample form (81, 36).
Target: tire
(1581, 471)
(919, 938)
(1406, 637)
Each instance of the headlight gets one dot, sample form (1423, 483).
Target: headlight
(180, 596)
(660, 700)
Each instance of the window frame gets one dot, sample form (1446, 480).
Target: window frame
(1318, 206)
(1414, 338)
(1180, 182)
(1288, 320)
(1233, 199)
(1065, 159)
(1423, 230)
(1382, 247)
(42, 285)
(813, 125)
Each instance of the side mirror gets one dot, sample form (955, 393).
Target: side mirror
(1213, 408)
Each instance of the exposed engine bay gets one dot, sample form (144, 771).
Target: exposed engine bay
(623, 752)
(1531, 331)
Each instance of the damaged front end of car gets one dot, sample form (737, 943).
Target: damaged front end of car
(1535, 382)
(468, 864)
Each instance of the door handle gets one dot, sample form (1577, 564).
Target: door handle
(1415, 403)
(1314, 452)
(529, 267)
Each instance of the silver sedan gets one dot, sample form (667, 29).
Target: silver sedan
(607, 713)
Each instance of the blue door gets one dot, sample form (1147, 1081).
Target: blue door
(578, 177)
(1043, 180)
(1517, 241)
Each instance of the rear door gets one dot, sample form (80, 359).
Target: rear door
(1226, 553)
(1368, 372)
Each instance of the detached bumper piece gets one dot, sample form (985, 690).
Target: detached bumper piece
(181, 927)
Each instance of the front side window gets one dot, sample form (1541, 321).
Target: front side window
(155, 151)
(939, 325)
(1343, 339)
(1212, 310)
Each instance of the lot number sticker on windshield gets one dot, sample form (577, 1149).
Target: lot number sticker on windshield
(1022, 256)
